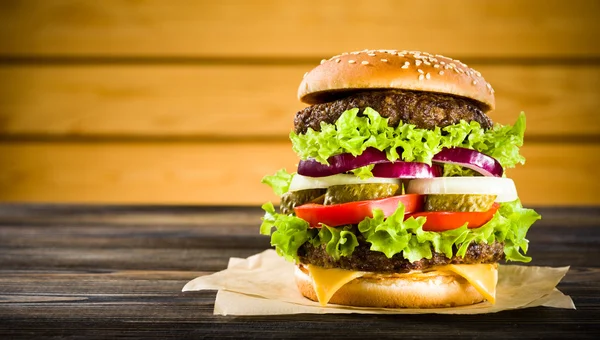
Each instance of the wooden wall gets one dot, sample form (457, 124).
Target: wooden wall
(192, 101)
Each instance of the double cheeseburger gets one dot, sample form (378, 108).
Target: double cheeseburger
(400, 198)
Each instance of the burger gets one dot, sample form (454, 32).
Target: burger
(400, 197)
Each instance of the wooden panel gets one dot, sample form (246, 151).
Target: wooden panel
(299, 29)
(149, 100)
(229, 173)
(244, 101)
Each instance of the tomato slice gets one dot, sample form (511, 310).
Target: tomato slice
(448, 220)
(354, 212)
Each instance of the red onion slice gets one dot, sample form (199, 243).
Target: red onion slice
(406, 170)
(474, 160)
(341, 163)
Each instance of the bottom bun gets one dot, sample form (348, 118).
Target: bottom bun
(422, 290)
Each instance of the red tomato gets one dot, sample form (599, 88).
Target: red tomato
(448, 220)
(354, 212)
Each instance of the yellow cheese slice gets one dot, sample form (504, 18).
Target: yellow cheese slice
(483, 277)
(328, 281)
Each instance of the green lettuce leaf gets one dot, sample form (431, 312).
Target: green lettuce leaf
(453, 170)
(279, 182)
(338, 241)
(354, 132)
(394, 235)
(364, 172)
(520, 220)
(287, 232)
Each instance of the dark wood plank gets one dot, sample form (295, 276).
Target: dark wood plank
(102, 272)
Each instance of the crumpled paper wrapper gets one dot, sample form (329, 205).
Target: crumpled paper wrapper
(263, 284)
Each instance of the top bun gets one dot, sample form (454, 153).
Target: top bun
(390, 69)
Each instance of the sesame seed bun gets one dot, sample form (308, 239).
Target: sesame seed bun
(389, 69)
(424, 290)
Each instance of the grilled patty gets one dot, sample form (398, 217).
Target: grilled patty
(363, 259)
(424, 109)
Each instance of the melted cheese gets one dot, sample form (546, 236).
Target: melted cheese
(483, 277)
(328, 281)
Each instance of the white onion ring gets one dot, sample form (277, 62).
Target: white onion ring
(503, 188)
(300, 182)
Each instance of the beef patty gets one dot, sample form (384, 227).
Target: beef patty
(424, 109)
(363, 259)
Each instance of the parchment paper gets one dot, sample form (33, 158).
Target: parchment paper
(263, 284)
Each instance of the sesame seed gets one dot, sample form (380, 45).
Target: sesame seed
(421, 77)
(407, 63)
(420, 71)
(371, 54)
(428, 76)
(355, 52)
(436, 66)
(305, 74)
(417, 62)
(441, 73)
(364, 62)
(427, 63)
(405, 66)
(384, 60)
(351, 61)
(474, 82)
(442, 63)
(478, 73)
(488, 85)
(337, 60)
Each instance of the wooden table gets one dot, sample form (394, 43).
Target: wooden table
(98, 271)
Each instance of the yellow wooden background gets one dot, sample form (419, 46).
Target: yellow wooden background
(192, 101)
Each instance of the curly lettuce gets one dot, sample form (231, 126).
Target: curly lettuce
(395, 235)
(354, 132)
(279, 182)
(287, 232)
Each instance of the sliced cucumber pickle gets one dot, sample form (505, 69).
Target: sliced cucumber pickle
(459, 202)
(337, 194)
(292, 199)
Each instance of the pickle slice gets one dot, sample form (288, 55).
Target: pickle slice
(337, 194)
(459, 202)
(290, 200)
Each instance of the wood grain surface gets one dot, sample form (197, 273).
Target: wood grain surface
(117, 271)
(306, 28)
(241, 101)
